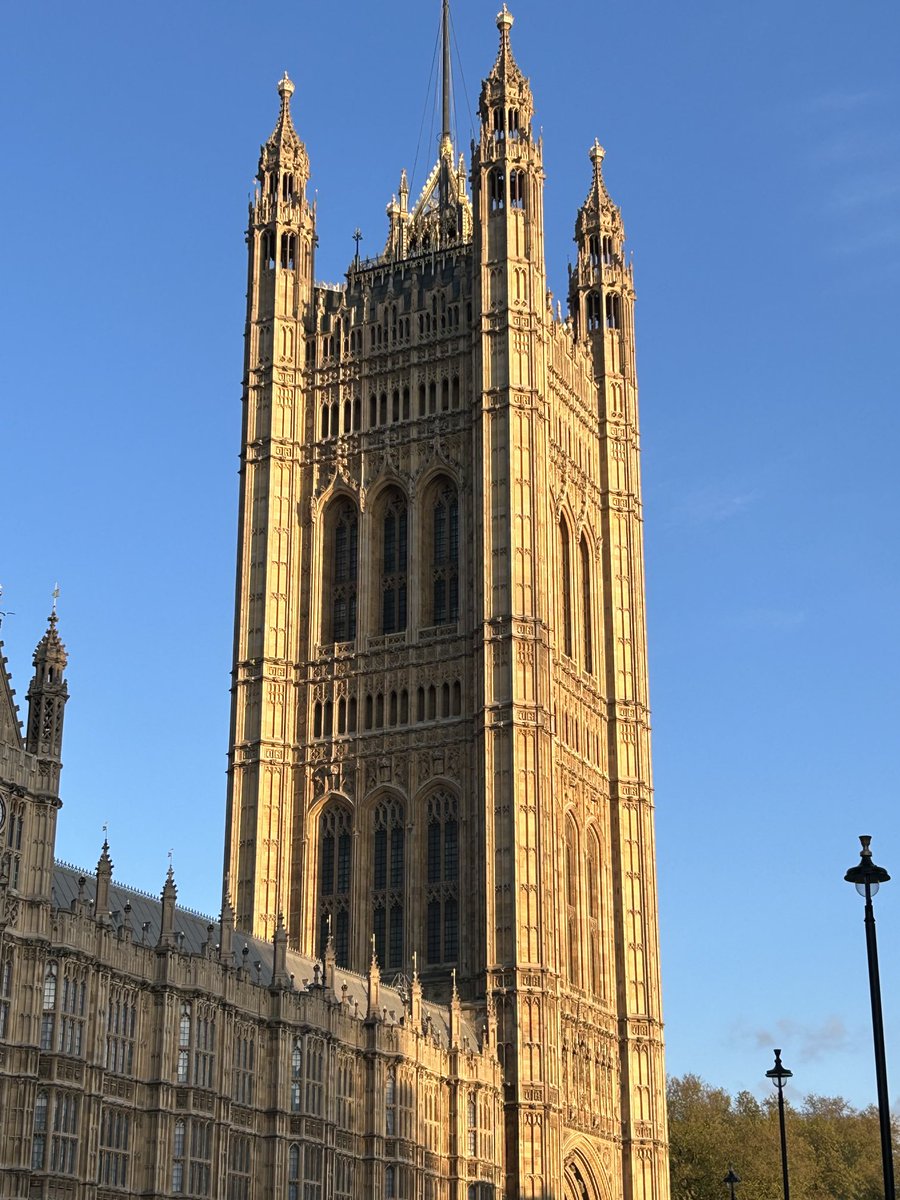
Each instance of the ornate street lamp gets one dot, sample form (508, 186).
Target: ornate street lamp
(779, 1074)
(868, 877)
(730, 1180)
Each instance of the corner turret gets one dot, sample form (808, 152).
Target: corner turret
(47, 696)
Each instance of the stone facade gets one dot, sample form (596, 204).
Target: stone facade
(439, 757)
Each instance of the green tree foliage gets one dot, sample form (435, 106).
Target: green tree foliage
(834, 1150)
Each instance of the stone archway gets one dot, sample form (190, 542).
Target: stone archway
(581, 1179)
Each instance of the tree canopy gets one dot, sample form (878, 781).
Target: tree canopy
(834, 1150)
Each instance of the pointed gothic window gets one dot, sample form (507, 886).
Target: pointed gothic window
(445, 554)
(593, 312)
(288, 251)
(393, 564)
(593, 914)
(517, 189)
(565, 584)
(613, 311)
(268, 250)
(594, 249)
(442, 879)
(497, 189)
(343, 574)
(388, 882)
(587, 615)
(335, 842)
(571, 885)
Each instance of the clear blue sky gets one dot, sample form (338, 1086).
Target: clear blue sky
(755, 152)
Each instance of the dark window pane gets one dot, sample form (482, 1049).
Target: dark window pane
(380, 877)
(434, 852)
(451, 852)
(433, 939)
(397, 857)
(328, 865)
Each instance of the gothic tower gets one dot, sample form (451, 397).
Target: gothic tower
(440, 730)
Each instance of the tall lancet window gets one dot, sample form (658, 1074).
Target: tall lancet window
(344, 569)
(587, 614)
(393, 564)
(572, 940)
(593, 914)
(388, 878)
(442, 879)
(335, 842)
(445, 555)
(565, 583)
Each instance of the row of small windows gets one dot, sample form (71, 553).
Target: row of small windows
(600, 250)
(389, 880)
(287, 185)
(505, 121)
(607, 314)
(281, 251)
(335, 419)
(387, 709)
(395, 327)
(567, 599)
(392, 563)
(497, 189)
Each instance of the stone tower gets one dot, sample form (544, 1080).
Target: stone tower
(440, 728)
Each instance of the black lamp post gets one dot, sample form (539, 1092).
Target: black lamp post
(867, 877)
(779, 1075)
(730, 1180)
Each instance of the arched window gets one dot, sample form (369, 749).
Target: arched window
(593, 914)
(472, 1126)
(594, 249)
(497, 121)
(517, 189)
(335, 841)
(288, 251)
(593, 312)
(587, 614)
(268, 250)
(613, 311)
(297, 1075)
(571, 884)
(345, 542)
(294, 1173)
(445, 554)
(393, 564)
(388, 882)
(497, 190)
(442, 879)
(390, 1104)
(565, 583)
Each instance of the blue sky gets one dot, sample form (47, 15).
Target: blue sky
(755, 152)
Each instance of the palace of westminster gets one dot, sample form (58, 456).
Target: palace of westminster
(435, 975)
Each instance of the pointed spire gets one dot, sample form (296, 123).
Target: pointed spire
(284, 133)
(415, 995)
(280, 976)
(506, 67)
(284, 151)
(167, 919)
(598, 197)
(47, 695)
(226, 930)
(455, 1014)
(104, 875)
(330, 959)
(373, 985)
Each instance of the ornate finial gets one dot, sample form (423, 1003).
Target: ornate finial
(170, 874)
(415, 965)
(357, 237)
(404, 182)
(285, 87)
(504, 19)
(55, 594)
(597, 152)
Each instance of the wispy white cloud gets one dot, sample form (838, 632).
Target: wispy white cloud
(843, 100)
(711, 504)
(801, 1042)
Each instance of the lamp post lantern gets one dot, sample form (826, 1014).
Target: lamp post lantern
(867, 877)
(779, 1074)
(730, 1180)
